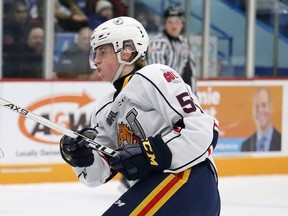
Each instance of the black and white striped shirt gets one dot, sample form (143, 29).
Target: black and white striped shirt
(174, 52)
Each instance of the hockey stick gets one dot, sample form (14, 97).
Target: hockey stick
(91, 143)
(1, 154)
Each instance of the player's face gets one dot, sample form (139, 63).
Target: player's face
(173, 26)
(106, 62)
(262, 110)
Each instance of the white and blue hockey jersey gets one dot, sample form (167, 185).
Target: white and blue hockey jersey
(153, 100)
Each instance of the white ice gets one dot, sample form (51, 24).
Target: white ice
(241, 196)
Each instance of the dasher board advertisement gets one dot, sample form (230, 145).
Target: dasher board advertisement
(251, 115)
(69, 104)
(241, 107)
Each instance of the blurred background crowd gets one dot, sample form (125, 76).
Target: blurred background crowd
(24, 23)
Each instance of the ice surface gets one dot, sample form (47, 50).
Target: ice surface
(241, 196)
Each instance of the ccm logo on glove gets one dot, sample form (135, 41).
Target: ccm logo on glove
(149, 152)
(136, 161)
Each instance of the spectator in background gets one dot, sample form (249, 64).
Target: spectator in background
(27, 61)
(103, 12)
(15, 27)
(170, 47)
(74, 62)
(119, 7)
(266, 137)
(69, 16)
(150, 20)
(37, 13)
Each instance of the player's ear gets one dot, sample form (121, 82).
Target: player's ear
(129, 51)
(126, 54)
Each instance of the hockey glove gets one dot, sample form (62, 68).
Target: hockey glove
(75, 152)
(135, 161)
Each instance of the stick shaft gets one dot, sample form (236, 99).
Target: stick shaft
(91, 143)
(1, 154)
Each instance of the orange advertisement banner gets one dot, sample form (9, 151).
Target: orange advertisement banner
(241, 111)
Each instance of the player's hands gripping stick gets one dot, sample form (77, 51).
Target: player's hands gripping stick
(135, 161)
(75, 150)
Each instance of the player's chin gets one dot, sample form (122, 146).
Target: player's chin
(105, 78)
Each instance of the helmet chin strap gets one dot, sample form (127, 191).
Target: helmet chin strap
(120, 69)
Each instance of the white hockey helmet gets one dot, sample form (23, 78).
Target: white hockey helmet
(117, 31)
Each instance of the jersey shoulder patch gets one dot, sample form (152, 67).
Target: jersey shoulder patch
(159, 73)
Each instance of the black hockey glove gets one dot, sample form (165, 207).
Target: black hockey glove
(75, 152)
(135, 161)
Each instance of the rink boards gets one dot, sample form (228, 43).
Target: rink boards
(32, 151)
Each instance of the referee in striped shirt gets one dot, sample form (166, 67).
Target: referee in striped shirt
(171, 48)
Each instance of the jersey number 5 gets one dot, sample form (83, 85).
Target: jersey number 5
(186, 102)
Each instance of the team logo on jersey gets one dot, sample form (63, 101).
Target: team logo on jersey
(170, 76)
(126, 135)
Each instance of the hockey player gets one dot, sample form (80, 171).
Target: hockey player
(163, 138)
